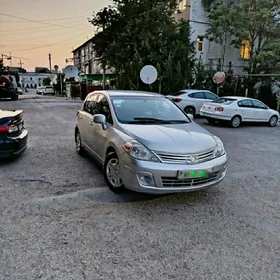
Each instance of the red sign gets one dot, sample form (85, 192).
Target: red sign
(219, 77)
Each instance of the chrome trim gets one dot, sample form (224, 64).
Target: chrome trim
(186, 159)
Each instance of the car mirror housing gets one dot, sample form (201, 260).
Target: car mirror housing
(100, 119)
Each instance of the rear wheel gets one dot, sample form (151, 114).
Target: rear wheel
(15, 97)
(190, 110)
(273, 121)
(112, 173)
(235, 121)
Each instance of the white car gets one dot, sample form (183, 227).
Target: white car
(235, 110)
(191, 100)
(48, 90)
(40, 90)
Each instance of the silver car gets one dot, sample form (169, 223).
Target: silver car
(147, 144)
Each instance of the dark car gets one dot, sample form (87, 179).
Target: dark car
(8, 93)
(13, 135)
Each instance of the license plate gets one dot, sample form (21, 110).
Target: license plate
(193, 174)
(206, 114)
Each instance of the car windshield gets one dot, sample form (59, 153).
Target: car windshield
(223, 100)
(147, 110)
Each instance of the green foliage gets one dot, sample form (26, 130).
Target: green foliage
(256, 21)
(143, 32)
(46, 81)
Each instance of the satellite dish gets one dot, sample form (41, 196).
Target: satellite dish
(70, 71)
(148, 74)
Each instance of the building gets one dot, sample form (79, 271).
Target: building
(193, 11)
(84, 60)
(32, 79)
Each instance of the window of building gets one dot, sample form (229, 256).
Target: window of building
(200, 43)
(245, 49)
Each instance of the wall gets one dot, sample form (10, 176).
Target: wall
(199, 24)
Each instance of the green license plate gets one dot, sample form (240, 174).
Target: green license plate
(193, 174)
(206, 114)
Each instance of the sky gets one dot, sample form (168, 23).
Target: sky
(60, 26)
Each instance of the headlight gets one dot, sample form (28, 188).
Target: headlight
(139, 151)
(220, 150)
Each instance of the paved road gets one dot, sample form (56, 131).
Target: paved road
(60, 221)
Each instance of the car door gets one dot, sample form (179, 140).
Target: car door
(199, 99)
(261, 111)
(246, 110)
(98, 136)
(85, 118)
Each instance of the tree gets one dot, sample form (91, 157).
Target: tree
(143, 32)
(253, 23)
(46, 81)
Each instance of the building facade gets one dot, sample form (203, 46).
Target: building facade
(33, 80)
(210, 52)
(84, 59)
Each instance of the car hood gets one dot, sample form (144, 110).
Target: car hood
(174, 138)
(5, 114)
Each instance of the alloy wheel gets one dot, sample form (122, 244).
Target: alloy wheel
(113, 173)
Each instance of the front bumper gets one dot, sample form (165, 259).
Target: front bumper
(11, 146)
(164, 176)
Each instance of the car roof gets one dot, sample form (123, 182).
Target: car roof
(128, 93)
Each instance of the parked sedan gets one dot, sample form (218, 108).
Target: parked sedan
(191, 100)
(13, 135)
(236, 110)
(147, 144)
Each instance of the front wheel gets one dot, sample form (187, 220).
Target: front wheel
(79, 148)
(112, 173)
(273, 121)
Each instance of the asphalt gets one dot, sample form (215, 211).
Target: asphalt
(59, 220)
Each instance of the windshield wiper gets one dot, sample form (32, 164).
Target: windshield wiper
(154, 120)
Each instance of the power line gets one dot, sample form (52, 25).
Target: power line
(46, 20)
(37, 21)
(39, 29)
(50, 44)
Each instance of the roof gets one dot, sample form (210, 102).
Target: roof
(85, 43)
(130, 93)
(194, 90)
(236, 97)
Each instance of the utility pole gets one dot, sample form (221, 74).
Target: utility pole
(20, 63)
(10, 59)
(50, 61)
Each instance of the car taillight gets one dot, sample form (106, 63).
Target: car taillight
(4, 129)
(219, 109)
(77, 113)
(176, 100)
(203, 106)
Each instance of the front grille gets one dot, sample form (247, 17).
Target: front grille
(174, 182)
(186, 159)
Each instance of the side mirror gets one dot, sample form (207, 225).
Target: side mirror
(190, 116)
(100, 119)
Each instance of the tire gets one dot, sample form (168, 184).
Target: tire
(114, 181)
(79, 147)
(190, 110)
(15, 97)
(273, 121)
(235, 121)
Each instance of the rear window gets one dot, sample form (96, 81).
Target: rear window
(226, 101)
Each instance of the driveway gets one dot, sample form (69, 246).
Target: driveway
(60, 221)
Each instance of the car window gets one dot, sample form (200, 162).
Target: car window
(259, 105)
(198, 95)
(224, 100)
(102, 107)
(142, 107)
(90, 104)
(245, 103)
(210, 95)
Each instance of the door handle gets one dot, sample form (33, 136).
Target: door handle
(91, 123)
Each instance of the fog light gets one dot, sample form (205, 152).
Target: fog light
(145, 180)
